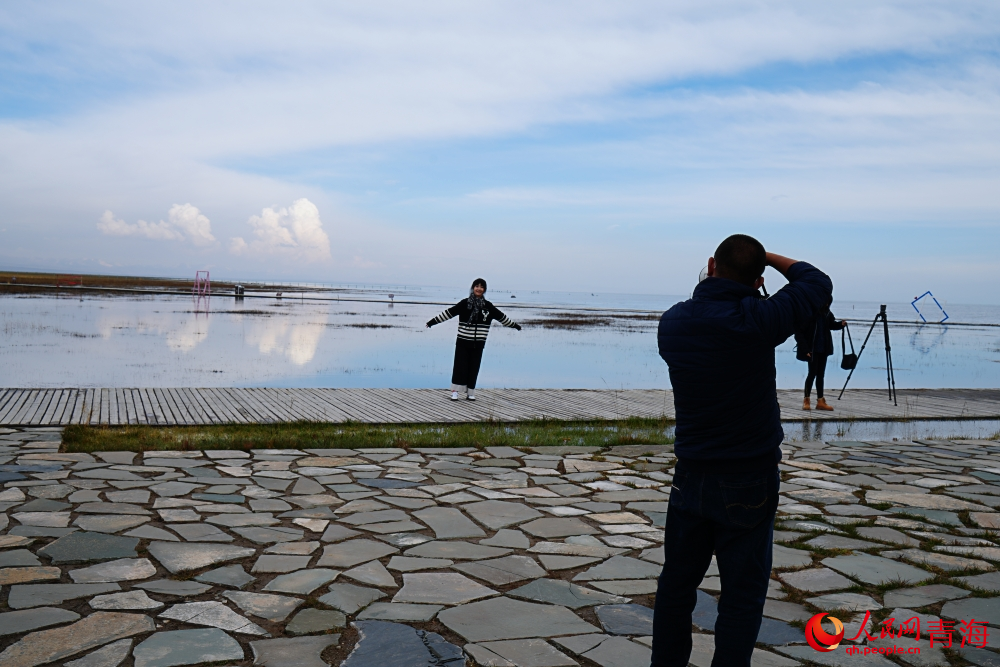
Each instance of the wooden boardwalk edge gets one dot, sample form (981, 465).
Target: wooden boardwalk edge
(189, 406)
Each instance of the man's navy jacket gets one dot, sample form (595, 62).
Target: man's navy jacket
(719, 346)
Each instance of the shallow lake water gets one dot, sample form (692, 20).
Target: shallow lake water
(570, 340)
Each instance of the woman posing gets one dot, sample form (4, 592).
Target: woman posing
(475, 314)
(814, 344)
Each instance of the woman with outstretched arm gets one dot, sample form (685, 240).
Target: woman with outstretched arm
(475, 314)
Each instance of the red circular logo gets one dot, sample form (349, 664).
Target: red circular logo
(819, 638)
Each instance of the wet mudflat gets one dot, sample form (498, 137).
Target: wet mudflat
(569, 341)
(543, 556)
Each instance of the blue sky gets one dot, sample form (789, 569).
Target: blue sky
(584, 145)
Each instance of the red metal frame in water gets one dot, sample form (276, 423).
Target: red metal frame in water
(69, 281)
(202, 284)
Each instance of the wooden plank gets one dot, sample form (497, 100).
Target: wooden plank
(87, 406)
(14, 405)
(248, 409)
(166, 407)
(77, 412)
(55, 405)
(131, 414)
(150, 398)
(294, 409)
(65, 399)
(180, 408)
(219, 406)
(6, 396)
(46, 396)
(27, 407)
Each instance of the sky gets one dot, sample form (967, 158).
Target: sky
(586, 146)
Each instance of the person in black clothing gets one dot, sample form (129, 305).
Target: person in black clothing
(814, 343)
(475, 314)
(719, 346)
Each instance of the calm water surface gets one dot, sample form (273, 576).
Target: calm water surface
(570, 340)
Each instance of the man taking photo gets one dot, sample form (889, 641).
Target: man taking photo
(719, 346)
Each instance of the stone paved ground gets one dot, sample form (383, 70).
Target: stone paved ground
(454, 557)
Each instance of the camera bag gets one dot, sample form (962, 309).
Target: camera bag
(850, 361)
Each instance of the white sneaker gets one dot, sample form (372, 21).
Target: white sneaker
(454, 395)
(470, 397)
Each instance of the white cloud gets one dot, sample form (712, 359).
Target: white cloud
(184, 222)
(296, 232)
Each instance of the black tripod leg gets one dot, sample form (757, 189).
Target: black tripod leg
(889, 372)
(860, 352)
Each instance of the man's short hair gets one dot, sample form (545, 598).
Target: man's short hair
(741, 258)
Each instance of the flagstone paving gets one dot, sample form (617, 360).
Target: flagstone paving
(437, 557)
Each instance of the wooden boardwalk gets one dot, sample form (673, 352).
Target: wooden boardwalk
(171, 407)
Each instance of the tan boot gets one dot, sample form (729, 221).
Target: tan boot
(821, 404)
(805, 404)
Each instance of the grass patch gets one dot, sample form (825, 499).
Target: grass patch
(296, 435)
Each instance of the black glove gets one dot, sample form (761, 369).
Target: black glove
(517, 327)
(430, 323)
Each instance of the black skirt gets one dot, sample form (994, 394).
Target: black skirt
(468, 357)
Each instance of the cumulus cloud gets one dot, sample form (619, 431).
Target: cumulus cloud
(184, 222)
(296, 231)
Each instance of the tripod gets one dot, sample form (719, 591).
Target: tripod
(890, 376)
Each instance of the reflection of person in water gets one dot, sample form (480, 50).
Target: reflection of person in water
(475, 314)
(814, 343)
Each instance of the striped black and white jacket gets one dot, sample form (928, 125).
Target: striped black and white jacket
(478, 330)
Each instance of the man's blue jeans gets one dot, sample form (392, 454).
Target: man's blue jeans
(732, 515)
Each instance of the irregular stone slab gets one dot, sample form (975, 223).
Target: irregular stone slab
(981, 609)
(564, 593)
(455, 550)
(557, 527)
(349, 598)
(773, 632)
(626, 619)
(980, 657)
(82, 546)
(230, 575)
(785, 557)
(171, 587)
(393, 611)
(270, 563)
(21, 575)
(922, 596)
(112, 508)
(535, 652)
(24, 596)
(440, 588)
(786, 611)
(95, 630)
(111, 655)
(945, 562)
(8, 541)
(373, 573)
(407, 564)
(185, 557)
(448, 522)
(570, 549)
(393, 527)
(922, 500)
(271, 535)
(301, 651)
(627, 586)
(308, 621)
(16, 622)
(631, 496)
(152, 533)
(839, 542)
(110, 523)
(354, 552)
(565, 562)
(987, 582)
(620, 652)
(200, 532)
(187, 647)
(380, 516)
(214, 615)
(293, 548)
(876, 570)
(706, 611)
(123, 569)
(242, 520)
(845, 602)
(302, 582)
(504, 618)
(130, 600)
(507, 537)
(932, 515)
(497, 514)
(272, 607)
(816, 580)
(502, 571)
(381, 643)
(886, 534)
(620, 567)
